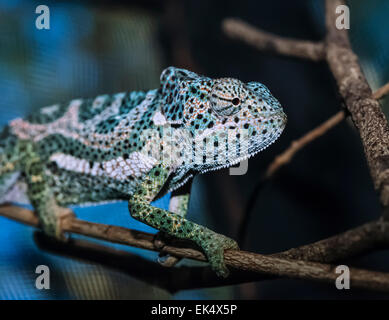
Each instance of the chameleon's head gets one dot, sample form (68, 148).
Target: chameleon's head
(232, 120)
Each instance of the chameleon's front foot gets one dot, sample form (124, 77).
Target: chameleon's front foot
(52, 225)
(214, 245)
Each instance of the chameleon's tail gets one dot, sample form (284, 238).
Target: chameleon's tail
(7, 154)
(10, 190)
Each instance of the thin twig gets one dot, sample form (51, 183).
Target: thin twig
(300, 143)
(265, 41)
(381, 92)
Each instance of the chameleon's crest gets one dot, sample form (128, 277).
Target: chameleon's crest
(174, 87)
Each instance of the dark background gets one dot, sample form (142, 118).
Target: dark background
(96, 47)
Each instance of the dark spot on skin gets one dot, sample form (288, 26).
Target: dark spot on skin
(235, 101)
(246, 126)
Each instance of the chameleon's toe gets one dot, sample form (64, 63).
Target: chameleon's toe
(160, 240)
(52, 224)
(214, 247)
(49, 227)
(168, 261)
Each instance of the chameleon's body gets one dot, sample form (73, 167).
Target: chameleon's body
(137, 146)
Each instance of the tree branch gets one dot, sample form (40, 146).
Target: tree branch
(345, 245)
(237, 259)
(365, 111)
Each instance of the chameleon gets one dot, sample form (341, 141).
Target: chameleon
(138, 146)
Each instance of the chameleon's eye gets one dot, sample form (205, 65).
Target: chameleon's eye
(225, 97)
(224, 107)
(235, 101)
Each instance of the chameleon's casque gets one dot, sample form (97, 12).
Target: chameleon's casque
(137, 146)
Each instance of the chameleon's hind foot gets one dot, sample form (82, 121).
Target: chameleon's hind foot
(166, 260)
(214, 245)
(159, 240)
